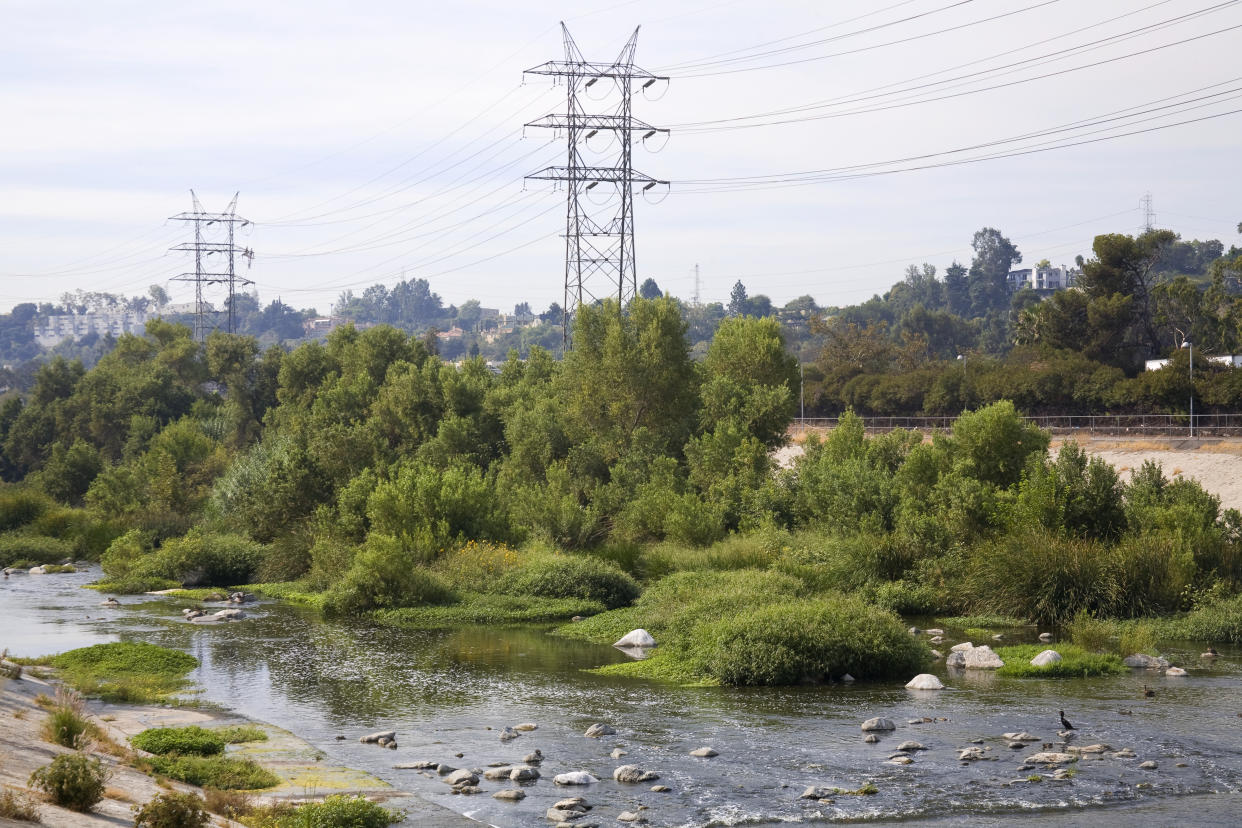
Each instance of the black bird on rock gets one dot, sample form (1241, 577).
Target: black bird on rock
(1065, 725)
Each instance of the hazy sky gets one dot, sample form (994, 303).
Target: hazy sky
(372, 139)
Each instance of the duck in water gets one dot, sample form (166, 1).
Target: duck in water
(1148, 692)
(1065, 722)
(1211, 652)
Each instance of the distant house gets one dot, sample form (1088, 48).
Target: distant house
(50, 331)
(1043, 278)
(1227, 360)
(321, 326)
(451, 333)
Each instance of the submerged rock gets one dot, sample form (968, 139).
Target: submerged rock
(1046, 658)
(508, 734)
(525, 727)
(371, 738)
(878, 723)
(1045, 637)
(599, 729)
(704, 752)
(617, 753)
(1148, 765)
(924, 681)
(660, 789)
(636, 638)
(1052, 758)
(633, 774)
(911, 746)
(523, 774)
(1144, 661)
(871, 738)
(1175, 671)
(815, 792)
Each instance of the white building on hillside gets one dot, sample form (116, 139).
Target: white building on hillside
(50, 331)
(1043, 278)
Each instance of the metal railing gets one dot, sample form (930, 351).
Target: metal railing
(1172, 425)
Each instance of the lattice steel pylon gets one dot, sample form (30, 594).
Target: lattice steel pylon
(599, 237)
(203, 276)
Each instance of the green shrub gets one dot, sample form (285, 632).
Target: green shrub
(751, 551)
(573, 576)
(182, 740)
(1075, 662)
(1138, 637)
(487, 609)
(19, 806)
(337, 811)
(791, 642)
(72, 781)
(17, 547)
(205, 559)
(19, 507)
(215, 771)
(135, 584)
(126, 553)
(385, 575)
(172, 810)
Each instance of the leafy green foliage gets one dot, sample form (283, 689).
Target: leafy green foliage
(336, 811)
(72, 781)
(32, 549)
(192, 740)
(385, 574)
(172, 810)
(573, 576)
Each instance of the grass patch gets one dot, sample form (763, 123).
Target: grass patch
(1075, 662)
(203, 593)
(124, 671)
(66, 724)
(661, 666)
(240, 734)
(192, 740)
(134, 584)
(1218, 622)
(493, 610)
(215, 771)
(295, 592)
(56, 569)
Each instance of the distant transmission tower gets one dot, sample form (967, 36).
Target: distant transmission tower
(599, 236)
(696, 284)
(1149, 215)
(203, 275)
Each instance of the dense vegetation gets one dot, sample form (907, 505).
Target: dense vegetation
(629, 481)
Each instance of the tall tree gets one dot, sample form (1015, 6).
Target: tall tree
(737, 299)
(995, 256)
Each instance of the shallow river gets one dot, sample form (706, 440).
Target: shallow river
(450, 692)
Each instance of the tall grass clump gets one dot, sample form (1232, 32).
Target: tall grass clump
(19, 806)
(1138, 637)
(1089, 632)
(573, 576)
(478, 566)
(72, 781)
(20, 507)
(337, 811)
(66, 723)
(758, 550)
(816, 640)
(1219, 621)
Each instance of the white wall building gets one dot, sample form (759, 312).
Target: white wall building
(1043, 278)
(50, 331)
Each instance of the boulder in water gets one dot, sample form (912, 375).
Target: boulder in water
(633, 773)
(961, 648)
(982, 658)
(574, 778)
(924, 681)
(704, 752)
(636, 638)
(878, 723)
(599, 729)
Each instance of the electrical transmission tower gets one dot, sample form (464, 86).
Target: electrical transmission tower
(204, 276)
(599, 236)
(1149, 215)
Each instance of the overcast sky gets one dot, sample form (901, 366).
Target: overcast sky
(375, 139)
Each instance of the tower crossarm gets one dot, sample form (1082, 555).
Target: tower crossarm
(600, 175)
(589, 69)
(618, 123)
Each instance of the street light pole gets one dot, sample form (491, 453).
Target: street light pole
(801, 391)
(1186, 343)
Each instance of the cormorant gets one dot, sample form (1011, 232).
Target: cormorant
(1065, 722)
(1148, 692)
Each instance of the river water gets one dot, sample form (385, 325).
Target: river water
(450, 692)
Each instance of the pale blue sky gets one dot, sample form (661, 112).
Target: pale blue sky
(385, 137)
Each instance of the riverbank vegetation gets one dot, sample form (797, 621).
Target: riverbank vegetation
(629, 482)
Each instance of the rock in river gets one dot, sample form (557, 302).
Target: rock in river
(636, 638)
(878, 723)
(599, 729)
(574, 778)
(982, 658)
(633, 773)
(371, 738)
(510, 794)
(1144, 661)
(462, 777)
(961, 648)
(956, 659)
(523, 774)
(1052, 758)
(924, 681)
(704, 752)
(497, 773)
(1175, 671)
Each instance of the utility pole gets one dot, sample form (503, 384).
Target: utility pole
(203, 276)
(1149, 216)
(599, 237)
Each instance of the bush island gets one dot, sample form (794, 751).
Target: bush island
(192, 740)
(573, 576)
(792, 642)
(72, 781)
(172, 810)
(337, 811)
(384, 575)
